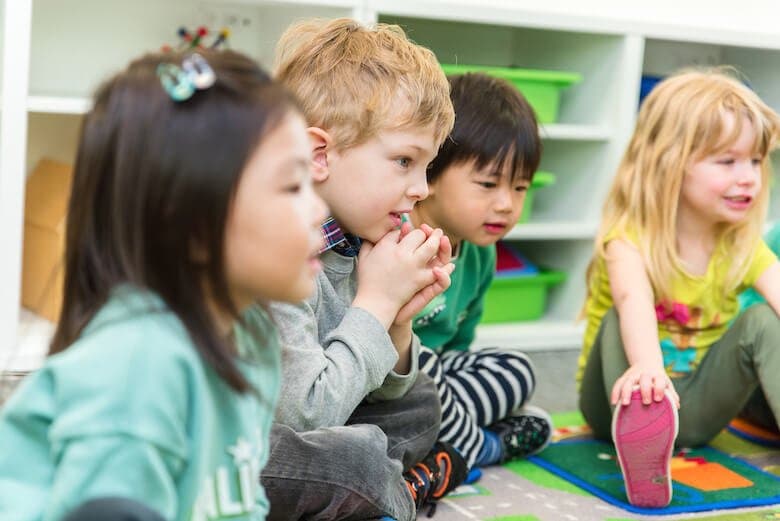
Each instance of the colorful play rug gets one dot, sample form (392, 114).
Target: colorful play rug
(754, 433)
(578, 479)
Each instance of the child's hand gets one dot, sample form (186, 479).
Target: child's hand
(443, 256)
(401, 329)
(397, 267)
(420, 299)
(652, 381)
(441, 267)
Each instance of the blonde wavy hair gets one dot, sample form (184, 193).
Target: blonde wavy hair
(682, 121)
(354, 81)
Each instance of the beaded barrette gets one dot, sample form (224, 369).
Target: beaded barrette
(181, 83)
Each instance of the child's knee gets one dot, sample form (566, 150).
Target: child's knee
(509, 364)
(347, 473)
(362, 442)
(426, 394)
(761, 317)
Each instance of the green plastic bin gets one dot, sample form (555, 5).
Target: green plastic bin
(542, 89)
(519, 298)
(541, 179)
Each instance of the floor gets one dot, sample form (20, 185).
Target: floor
(501, 496)
(555, 388)
(556, 392)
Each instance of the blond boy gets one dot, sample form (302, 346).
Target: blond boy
(355, 415)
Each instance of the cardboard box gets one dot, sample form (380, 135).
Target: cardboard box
(45, 209)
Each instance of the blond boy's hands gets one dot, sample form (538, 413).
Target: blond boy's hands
(398, 276)
(400, 265)
(425, 295)
(440, 266)
(401, 330)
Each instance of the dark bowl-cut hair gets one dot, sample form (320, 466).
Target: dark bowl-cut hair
(154, 180)
(493, 124)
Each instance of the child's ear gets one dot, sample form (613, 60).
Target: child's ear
(321, 143)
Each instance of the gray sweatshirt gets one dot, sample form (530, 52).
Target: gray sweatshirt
(334, 355)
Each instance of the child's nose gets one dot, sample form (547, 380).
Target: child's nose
(748, 173)
(418, 188)
(503, 202)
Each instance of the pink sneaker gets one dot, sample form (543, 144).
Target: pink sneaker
(644, 440)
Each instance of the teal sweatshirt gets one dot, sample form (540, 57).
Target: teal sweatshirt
(130, 410)
(449, 321)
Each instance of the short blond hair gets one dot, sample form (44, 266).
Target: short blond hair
(354, 81)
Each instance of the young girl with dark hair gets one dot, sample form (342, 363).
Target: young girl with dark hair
(191, 203)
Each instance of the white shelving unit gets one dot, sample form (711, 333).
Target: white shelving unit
(548, 335)
(553, 230)
(58, 105)
(595, 118)
(56, 53)
(596, 115)
(66, 49)
(13, 127)
(569, 132)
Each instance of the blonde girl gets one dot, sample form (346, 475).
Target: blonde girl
(680, 237)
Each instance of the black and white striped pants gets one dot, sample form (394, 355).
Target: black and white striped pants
(477, 388)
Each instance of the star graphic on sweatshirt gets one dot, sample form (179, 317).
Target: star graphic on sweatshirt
(242, 451)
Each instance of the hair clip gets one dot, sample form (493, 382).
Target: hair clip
(181, 83)
(199, 71)
(175, 81)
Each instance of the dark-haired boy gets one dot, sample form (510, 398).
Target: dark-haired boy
(477, 185)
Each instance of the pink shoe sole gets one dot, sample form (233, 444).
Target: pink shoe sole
(644, 440)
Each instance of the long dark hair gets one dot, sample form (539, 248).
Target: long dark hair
(153, 182)
(493, 123)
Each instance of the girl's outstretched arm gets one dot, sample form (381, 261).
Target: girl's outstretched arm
(768, 284)
(632, 295)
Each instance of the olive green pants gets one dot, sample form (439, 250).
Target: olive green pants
(739, 375)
